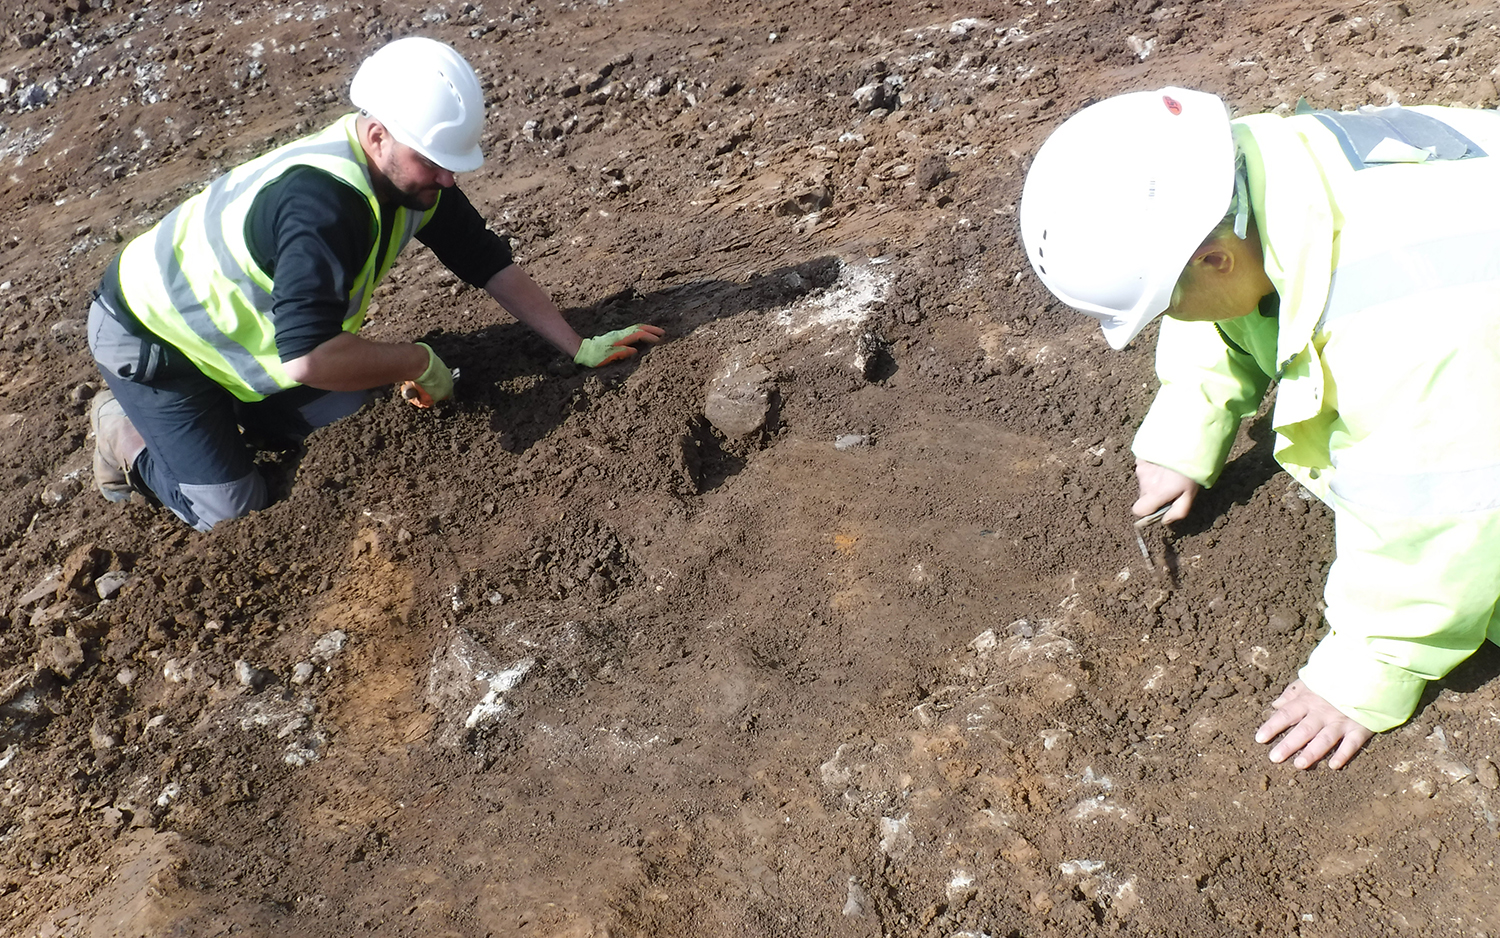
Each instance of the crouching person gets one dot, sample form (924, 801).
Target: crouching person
(241, 307)
(1351, 258)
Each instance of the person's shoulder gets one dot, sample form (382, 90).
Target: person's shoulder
(312, 181)
(308, 187)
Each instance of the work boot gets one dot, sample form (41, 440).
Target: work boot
(116, 445)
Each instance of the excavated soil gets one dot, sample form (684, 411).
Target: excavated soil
(823, 618)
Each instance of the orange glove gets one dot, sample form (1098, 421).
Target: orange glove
(434, 384)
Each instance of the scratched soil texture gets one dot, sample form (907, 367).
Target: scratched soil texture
(823, 618)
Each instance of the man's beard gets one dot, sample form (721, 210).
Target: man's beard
(419, 201)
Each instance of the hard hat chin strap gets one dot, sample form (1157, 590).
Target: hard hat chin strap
(1240, 207)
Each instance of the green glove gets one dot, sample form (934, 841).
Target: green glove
(613, 346)
(434, 384)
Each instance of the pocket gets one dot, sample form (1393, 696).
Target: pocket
(121, 352)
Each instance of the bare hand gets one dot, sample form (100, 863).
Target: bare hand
(1314, 728)
(1162, 486)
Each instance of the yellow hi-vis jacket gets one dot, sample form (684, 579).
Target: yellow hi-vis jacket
(1387, 353)
(192, 281)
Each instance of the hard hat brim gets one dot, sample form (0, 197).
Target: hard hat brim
(452, 162)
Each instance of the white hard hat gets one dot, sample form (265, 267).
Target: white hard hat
(1119, 198)
(427, 96)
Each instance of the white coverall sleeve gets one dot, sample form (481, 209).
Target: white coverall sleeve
(1207, 388)
(1415, 489)
(1409, 598)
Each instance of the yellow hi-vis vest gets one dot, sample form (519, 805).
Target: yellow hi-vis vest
(1387, 357)
(192, 281)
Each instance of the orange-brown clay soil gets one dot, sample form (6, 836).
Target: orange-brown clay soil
(823, 618)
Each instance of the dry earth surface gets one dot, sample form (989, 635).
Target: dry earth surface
(824, 618)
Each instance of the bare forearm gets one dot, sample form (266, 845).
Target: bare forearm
(514, 289)
(349, 363)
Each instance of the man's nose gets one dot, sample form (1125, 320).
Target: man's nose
(445, 178)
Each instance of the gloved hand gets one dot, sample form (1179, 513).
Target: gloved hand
(613, 346)
(434, 384)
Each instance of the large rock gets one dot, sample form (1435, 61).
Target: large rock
(739, 400)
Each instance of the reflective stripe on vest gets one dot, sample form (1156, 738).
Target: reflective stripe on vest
(1422, 494)
(1455, 261)
(238, 349)
(1374, 136)
(1468, 260)
(1393, 259)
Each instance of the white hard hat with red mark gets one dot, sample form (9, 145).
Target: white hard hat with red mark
(1120, 196)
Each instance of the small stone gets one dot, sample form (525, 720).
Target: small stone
(1393, 13)
(1284, 621)
(930, 171)
(857, 904)
(1455, 770)
(804, 202)
(43, 618)
(82, 565)
(29, 701)
(1487, 774)
(61, 654)
(870, 352)
(326, 648)
(47, 587)
(1055, 739)
(60, 491)
(108, 584)
(249, 675)
(126, 677)
(102, 735)
(850, 441)
(872, 97)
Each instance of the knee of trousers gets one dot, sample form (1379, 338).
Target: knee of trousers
(223, 501)
(335, 405)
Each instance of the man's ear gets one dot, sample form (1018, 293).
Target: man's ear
(374, 135)
(1215, 256)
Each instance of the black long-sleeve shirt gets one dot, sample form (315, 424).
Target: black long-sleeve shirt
(312, 233)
